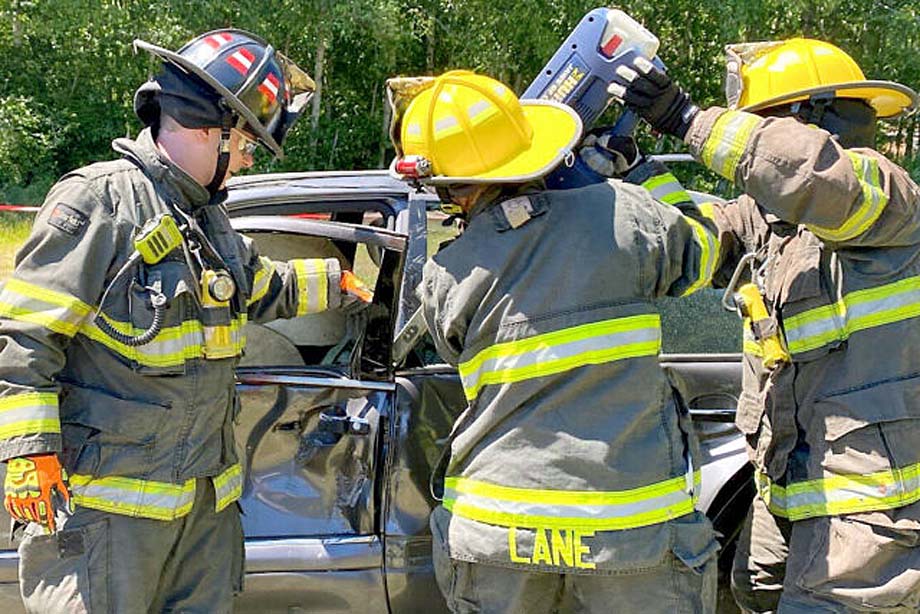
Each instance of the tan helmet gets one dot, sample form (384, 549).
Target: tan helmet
(463, 127)
(768, 74)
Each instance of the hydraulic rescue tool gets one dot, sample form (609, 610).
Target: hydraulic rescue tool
(579, 74)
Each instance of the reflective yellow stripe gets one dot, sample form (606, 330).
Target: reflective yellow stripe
(667, 189)
(707, 210)
(133, 497)
(262, 280)
(225, 340)
(312, 285)
(579, 510)
(709, 251)
(228, 486)
(173, 346)
(842, 494)
(562, 350)
(29, 413)
(856, 311)
(873, 203)
(727, 141)
(50, 309)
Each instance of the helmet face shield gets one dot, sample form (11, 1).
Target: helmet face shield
(400, 92)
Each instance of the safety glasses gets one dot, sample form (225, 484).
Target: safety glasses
(245, 144)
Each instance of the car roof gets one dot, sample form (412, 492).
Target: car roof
(370, 183)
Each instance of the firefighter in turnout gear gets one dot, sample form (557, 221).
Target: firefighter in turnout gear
(119, 333)
(829, 230)
(572, 475)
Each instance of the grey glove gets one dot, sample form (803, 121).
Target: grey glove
(609, 155)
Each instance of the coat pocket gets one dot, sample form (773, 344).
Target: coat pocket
(180, 335)
(111, 435)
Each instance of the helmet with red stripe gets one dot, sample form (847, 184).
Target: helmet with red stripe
(262, 91)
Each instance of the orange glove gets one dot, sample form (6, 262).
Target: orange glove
(352, 284)
(35, 488)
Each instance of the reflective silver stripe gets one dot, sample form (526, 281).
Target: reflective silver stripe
(588, 510)
(873, 202)
(56, 311)
(262, 280)
(727, 141)
(477, 108)
(173, 346)
(445, 123)
(559, 351)
(842, 494)
(133, 497)
(667, 189)
(228, 487)
(709, 253)
(521, 508)
(29, 412)
(313, 285)
(856, 311)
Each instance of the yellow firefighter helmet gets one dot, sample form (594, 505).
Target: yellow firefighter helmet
(762, 75)
(463, 127)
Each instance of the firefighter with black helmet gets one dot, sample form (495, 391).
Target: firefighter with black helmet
(827, 241)
(119, 332)
(573, 474)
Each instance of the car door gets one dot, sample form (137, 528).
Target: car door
(316, 393)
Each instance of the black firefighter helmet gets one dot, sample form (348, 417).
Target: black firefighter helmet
(226, 77)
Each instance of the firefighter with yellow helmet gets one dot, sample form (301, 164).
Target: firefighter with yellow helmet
(573, 468)
(829, 233)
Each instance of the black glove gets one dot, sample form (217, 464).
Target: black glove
(650, 93)
(609, 155)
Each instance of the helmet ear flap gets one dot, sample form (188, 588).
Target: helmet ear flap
(147, 103)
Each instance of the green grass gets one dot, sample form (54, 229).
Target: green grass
(14, 229)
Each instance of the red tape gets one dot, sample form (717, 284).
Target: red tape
(5, 207)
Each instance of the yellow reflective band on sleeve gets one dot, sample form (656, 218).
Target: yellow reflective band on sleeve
(856, 311)
(727, 141)
(707, 210)
(56, 311)
(576, 510)
(134, 497)
(228, 487)
(873, 203)
(312, 285)
(709, 252)
(666, 188)
(842, 494)
(262, 280)
(562, 350)
(29, 413)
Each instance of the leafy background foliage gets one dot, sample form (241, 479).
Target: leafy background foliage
(68, 73)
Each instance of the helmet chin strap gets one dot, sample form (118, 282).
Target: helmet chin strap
(223, 153)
